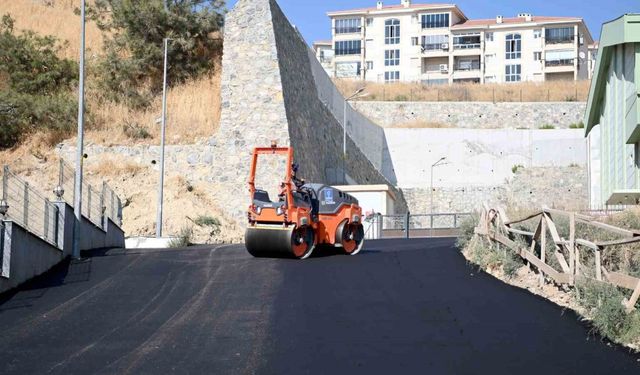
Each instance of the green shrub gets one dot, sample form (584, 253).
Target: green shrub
(183, 239)
(207, 221)
(610, 319)
(547, 127)
(516, 168)
(135, 131)
(401, 98)
(579, 125)
(132, 69)
(570, 98)
(467, 230)
(35, 92)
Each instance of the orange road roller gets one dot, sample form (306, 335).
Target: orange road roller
(303, 217)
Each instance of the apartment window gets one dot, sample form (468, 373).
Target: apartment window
(415, 40)
(514, 46)
(392, 31)
(560, 58)
(392, 57)
(513, 73)
(348, 47)
(537, 56)
(434, 42)
(559, 35)
(369, 21)
(369, 65)
(348, 26)
(537, 33)
(488, 37)
(391, 76)
(435, 21)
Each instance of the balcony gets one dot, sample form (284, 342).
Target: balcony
(465, 42)
(560, 40)
(466, 65)
(560, 62)
(348, 30)
(435, 48)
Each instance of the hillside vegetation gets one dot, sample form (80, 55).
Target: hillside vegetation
(124, 68)
(558, 91)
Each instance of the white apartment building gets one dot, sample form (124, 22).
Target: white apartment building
(439, 44)
(324, 54)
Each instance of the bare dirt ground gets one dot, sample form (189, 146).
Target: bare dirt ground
(137, 186)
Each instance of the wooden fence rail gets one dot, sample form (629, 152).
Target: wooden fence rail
(496, 226)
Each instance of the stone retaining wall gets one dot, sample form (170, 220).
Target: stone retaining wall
(477, 115)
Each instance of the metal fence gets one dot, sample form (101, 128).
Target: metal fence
(414, 226)
(97, 203)
(29, 208)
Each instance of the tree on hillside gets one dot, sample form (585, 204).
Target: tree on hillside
(35, 85)
(134, 31)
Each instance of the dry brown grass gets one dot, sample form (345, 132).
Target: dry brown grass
(114, 166)
(421, 124)
(513, 92)
(54, 17)
(193, 112)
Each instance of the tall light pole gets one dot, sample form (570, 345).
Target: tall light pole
(77, 204)
(162, 141)
(344, 132)
(436, 164)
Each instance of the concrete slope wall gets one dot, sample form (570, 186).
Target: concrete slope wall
(479, 157)
(24, 255)
(269, 93)
(475, 115)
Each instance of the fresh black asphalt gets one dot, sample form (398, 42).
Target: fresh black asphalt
(400, 307)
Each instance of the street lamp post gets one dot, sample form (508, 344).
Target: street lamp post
(436, 164)
(77, 204)
(162, 141)
(344, 132)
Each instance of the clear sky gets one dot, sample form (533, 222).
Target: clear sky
(310, 16)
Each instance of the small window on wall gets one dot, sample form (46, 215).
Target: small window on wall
(537, 34)
(369, 21)
(537, 56)
(369, 65)
(488, 37)
(415, 40)
(513, 73)
(392, 57)
(391, 77)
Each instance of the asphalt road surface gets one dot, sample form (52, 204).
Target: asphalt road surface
(400, 307)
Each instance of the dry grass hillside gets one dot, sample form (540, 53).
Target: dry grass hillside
(560, 91)
(193, 114)
(53, 17)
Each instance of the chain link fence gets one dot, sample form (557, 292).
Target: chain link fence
(29, 208)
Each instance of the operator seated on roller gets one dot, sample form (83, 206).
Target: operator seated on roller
(298, 182)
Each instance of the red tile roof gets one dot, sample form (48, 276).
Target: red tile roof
(512, 21)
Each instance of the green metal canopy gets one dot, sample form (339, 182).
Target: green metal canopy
(625, 29)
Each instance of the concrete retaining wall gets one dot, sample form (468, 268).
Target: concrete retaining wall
(479, 157)
(25, 255)
(475, 115)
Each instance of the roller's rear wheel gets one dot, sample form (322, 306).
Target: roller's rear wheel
(278, 242)
(351, 237)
